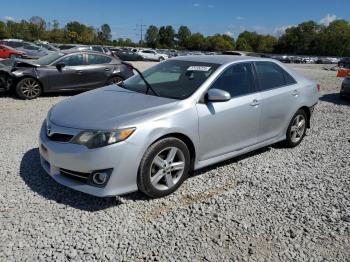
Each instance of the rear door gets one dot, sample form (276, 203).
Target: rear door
(230, 126)
(98, 70)
(72, 76)
(279, 99)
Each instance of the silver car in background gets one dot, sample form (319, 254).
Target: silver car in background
(180, 115)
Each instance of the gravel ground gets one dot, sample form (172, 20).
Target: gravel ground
(274, 204)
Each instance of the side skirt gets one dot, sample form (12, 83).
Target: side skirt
(217, 159)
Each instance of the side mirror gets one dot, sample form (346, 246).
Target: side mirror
(217, 95)
(60, 65)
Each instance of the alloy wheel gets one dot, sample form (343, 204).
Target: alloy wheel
(298, 128)
(116, 80)
(30, 88)
(167, 168)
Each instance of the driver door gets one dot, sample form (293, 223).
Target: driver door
(230, 126)
(71, 76)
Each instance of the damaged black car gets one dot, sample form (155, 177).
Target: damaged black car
(61, 71)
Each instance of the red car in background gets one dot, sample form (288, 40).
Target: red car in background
(9, 52)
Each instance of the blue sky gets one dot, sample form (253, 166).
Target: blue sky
(205, 16)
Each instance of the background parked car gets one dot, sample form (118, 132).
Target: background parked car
(345, 88)
(152, 55)
(31, 50)
(126, 54)
(62, 71)
(9, 52)
(47, 46)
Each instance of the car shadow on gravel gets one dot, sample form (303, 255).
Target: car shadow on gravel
(335, 99)
(40, 182)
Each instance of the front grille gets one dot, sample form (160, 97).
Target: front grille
(79, 176)
(60, 137)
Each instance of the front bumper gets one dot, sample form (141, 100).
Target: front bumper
(5, 82)
(122, 158)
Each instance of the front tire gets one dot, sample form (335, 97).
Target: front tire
(164, 167)
(28, 88)
(297, 129)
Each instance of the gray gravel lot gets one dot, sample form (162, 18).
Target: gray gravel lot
(274, 204)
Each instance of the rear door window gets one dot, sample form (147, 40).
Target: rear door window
(74, 60)
(271, 76)
(237, 80)
(98, 59)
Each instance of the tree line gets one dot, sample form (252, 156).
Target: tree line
(308, 38)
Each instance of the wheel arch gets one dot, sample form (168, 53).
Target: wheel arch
(16, 80)
(308, 114)
(184, 138)
(115, 75)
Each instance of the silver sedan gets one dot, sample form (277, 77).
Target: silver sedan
(183, 114)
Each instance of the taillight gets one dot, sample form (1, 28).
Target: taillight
(318, 88)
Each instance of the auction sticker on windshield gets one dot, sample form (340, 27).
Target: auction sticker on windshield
(199, 68)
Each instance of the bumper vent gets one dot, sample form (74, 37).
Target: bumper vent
(78, 176)
(60, 137)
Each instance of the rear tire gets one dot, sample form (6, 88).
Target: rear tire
(115, 80)
(28, 88)
(297, 129)
(164, 167)
(161, 59)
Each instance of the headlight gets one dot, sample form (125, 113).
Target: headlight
(95, 139)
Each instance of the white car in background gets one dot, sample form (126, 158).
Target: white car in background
(148, 54)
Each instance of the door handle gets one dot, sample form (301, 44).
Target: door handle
(107, 69)
(255, 102)
(79, 72)
(295, 93)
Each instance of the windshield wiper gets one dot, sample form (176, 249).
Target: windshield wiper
(149, 87)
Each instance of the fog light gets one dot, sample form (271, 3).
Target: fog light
(99, 178)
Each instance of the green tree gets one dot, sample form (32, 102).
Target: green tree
(106, 32)
(3, 30)
(299, 39)
(197, 42)
(220, 43)
(336, 39)
(166, 36)
(152, 36)
(36, 26)
(184, 36)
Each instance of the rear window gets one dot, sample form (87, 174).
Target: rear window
(14, 44)
(97, 48)
(271, 76)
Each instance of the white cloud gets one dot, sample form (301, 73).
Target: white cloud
(281, 29)
(211, 6)
(8, 18)
(328, 19)
(239, 18)
(228, 33)
(196, 5)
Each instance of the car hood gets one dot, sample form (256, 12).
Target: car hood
(108, 108)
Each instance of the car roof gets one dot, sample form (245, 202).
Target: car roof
(219, 59)
(69, 51)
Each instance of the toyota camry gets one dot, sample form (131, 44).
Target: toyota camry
(150, 131)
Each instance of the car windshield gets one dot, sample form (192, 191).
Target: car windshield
(173, 79)
(48, 59)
